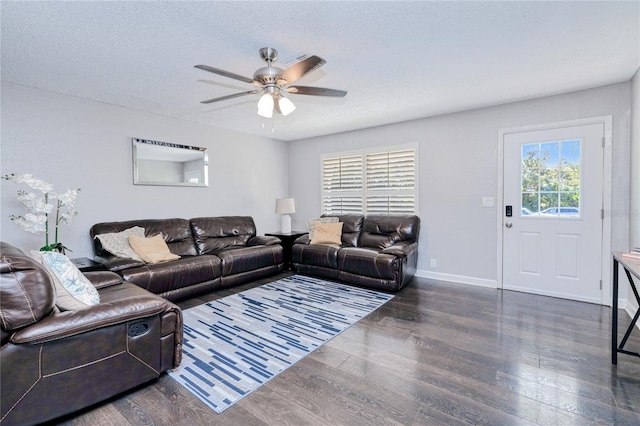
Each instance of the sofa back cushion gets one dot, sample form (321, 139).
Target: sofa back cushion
(352, 225)
(27, 293)
(175, 232)
(382, 231)
(213, 234)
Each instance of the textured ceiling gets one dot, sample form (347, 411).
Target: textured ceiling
(398, 60)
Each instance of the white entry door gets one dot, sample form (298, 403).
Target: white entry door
(552, 240)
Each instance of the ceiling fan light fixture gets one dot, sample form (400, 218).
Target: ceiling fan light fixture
(286, 106)
(265, 106)
(272, 81)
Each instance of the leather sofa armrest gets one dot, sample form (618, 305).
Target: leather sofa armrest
(115, 263)
(72, 323)
(263, 240)
(302, 240)
(102, 279)
(401, 249)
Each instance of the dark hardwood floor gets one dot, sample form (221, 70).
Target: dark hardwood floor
(438, 353)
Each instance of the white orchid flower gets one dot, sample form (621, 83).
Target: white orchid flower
(40, 206)
(34, 203)
(31, 222)
(31, 181)
(68, 216)
(69, 197)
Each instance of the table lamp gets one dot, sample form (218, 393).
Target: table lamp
(284, 206)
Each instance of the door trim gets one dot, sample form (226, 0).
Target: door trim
(607, 121)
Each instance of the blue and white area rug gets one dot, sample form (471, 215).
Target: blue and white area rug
(235, 344)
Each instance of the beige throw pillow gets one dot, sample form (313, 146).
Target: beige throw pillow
(152, 250)
(312, 224)
(327, 233)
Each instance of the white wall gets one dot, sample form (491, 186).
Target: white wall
(73, 142)
(634, 229)
(634, 210)
(458, 156)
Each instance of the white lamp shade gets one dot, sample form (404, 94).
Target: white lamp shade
(286, 106)
(285, 206)
(265, 106)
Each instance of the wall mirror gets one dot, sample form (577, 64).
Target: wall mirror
(164, 163)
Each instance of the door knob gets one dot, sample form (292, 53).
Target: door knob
(508, 224)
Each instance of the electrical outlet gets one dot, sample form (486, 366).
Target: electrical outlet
(434, 263)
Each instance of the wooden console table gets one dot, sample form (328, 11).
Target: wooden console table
(632, 269)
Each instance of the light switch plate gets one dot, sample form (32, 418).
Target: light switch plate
(487, 202)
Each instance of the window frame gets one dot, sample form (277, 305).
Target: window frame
(364, 192)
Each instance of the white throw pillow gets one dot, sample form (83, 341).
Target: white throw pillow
(312, 224)
(74, 291)
(117, 243)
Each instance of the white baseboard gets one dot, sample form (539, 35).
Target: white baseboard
(461, 279)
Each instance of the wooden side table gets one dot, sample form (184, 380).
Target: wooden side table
(87, 265)
(632, 269)
(287, 243)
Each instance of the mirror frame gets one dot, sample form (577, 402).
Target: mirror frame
(148, 142)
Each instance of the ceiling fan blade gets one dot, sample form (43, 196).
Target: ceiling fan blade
(296, 71)
(235, 95)
(224, 73)
(316, 91)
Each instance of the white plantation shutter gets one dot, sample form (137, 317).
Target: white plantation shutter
(341, 205)
(374, 181)
(342, 184)
(391, 170)
(391, 204)
(342, 173)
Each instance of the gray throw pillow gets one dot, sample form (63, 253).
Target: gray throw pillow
(117, 243)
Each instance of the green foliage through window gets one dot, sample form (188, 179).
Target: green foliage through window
(550, 176)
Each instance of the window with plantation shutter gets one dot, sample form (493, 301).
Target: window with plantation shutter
(382, 181)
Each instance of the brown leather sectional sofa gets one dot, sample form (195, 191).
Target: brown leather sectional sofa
(377, 251)
(216, 252)
(55, 362)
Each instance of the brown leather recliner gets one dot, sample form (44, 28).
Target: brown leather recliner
(55, 362)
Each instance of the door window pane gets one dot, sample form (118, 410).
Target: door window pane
(550, 175)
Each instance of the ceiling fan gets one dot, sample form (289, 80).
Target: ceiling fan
(273, 82)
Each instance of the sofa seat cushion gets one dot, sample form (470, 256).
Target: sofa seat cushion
(236, 260)
(315, 255)
(166, 276)
(369, 262)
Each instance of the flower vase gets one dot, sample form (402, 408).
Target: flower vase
(57, 247)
